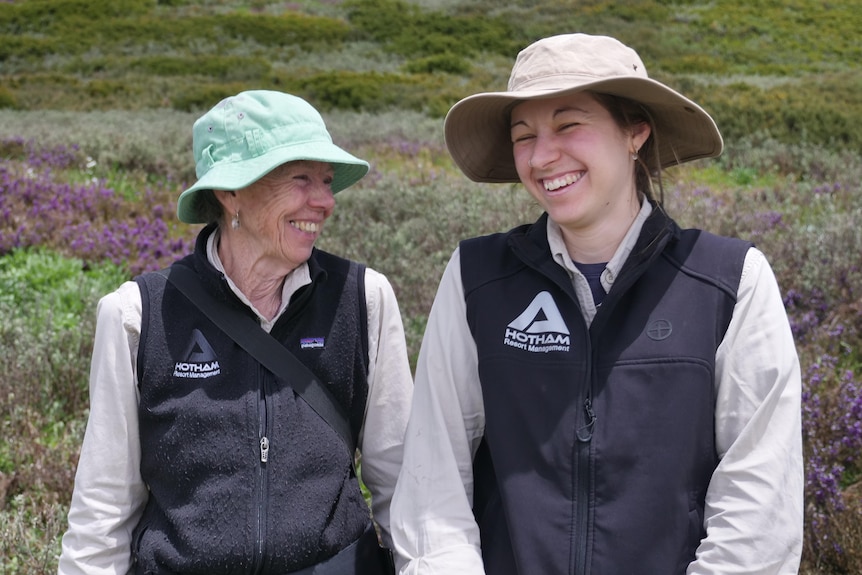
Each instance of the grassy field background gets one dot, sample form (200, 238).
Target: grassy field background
(97, 99)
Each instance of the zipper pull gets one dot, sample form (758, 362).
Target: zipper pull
(264, 449)
(585, 433)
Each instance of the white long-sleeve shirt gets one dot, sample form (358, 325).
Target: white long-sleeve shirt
(109, 495)
(754, 503)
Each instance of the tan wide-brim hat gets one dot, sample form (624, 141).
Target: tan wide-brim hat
(477, 128)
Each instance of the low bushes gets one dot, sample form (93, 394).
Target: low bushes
(140, 54)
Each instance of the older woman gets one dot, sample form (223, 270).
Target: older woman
(199, 456)
(599, 392)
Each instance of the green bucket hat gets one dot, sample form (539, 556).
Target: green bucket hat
(244, 137)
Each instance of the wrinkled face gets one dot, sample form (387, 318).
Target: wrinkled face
(283, 212)
(576, 161)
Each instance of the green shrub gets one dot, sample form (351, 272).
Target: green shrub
(792, 37)
(214, 67)
(7, 99)
(433, 94)
(347, 90)
(410, 31)
(73, 29)
(695, 64)
(40, 16)
(640, 10)
(38, 284)
(14, 46)
(822, 112)
(446, 62)
(104, 89)
(284, 30)
(202, 97)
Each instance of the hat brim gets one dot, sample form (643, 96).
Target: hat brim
(477, 130)
(347, 170)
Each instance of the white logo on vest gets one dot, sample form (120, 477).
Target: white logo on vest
(200, 359)
(540, 328)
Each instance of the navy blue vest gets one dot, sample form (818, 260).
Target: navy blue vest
(220, 500)
(599, 442)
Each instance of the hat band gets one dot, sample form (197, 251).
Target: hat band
(253, 144)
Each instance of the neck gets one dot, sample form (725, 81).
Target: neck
(258, 276)
(598, 242)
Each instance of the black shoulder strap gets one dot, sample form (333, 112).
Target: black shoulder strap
(363, 314)
(269, 352)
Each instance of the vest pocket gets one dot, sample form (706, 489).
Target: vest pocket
(696, 530)
(138, 566)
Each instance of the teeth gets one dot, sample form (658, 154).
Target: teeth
(566, 180)
(311, 227)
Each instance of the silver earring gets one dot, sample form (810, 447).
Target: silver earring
(635, 156)
(234, 222)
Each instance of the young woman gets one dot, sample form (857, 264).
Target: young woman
(599, 392)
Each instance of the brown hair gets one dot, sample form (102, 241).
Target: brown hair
(627, 114)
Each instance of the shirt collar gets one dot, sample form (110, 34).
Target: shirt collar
(561, 254)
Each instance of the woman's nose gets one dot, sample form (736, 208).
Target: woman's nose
(545, 151)
(322, 196)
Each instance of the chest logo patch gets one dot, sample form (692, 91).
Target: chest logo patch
(312, 343)
(540, 327)
(200, 359)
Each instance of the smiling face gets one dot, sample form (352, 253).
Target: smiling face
(282, 214)
(576, 161)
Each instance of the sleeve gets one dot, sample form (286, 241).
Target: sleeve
(433, 527)
(109, 495)
(754, 503)
(390, 390)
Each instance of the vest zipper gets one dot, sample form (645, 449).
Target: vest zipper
(264, 449)
(585, 432)
(263, 487)
(582, 510)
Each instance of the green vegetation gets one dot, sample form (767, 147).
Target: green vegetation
(54, 290)
(97, 99)
(788, 68)
(47, 305)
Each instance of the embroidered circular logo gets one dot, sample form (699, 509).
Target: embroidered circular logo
(659, 329)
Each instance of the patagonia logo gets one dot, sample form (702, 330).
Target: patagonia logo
(540, 327)
(200, 359)
(312, 343)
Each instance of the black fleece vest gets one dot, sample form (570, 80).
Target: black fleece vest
(215, 505)
(599, 442)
